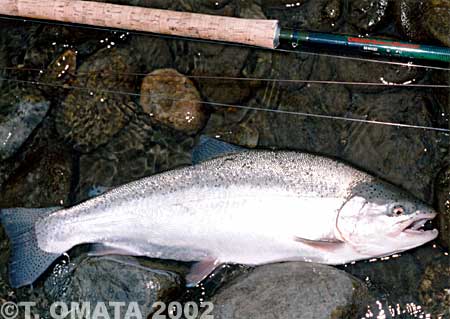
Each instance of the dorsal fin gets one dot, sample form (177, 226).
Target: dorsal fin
(208, 148)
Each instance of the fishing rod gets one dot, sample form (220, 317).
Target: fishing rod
(254, 32)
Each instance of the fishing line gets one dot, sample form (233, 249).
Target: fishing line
(230, 78)
(115, 30)
(225, 105)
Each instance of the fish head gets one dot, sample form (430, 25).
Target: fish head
(379, 219)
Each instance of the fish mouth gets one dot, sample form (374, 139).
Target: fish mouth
(420, 224)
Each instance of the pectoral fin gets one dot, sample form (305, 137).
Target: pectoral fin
(326, 244)
(201, 270)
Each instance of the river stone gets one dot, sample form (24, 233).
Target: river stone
(367, 14)
(402, 156)
(171, 99)
(291, 290)
(368, 72)
(61, 70)
(406, 281)
(314, 15)
(408, 14)
(312, 134)
(89, 117)
(42, 181)
(112, 279)
(140, 149)
(422, 21)
(21, 111)
(434, 289)
(436, 20)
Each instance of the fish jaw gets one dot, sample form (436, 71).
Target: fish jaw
(411, 229)
(409, 234)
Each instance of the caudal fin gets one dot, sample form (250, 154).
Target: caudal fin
(27, 260)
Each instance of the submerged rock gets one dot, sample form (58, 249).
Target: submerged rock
(21, 111)
(291, 290)
(434, 289)
(60, 71)
(314, 15)
(412, 283)
(436, 20)
(367, 14)
(399, 155)
(138, 150)
(90, 116)
(424, 20)
(44, 181)
(41, 175)
(171, 99)
(308, 133)
(112, 279)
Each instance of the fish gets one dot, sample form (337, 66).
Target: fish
(233, 205)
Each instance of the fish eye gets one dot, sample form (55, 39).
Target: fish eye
(398, 210)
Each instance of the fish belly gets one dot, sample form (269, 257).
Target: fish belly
(238, 223)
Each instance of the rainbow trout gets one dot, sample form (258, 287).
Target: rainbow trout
(252, 207)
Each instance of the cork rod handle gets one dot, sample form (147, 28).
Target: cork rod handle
(258, 32)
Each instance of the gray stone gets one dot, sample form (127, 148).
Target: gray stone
(112, 279)
(20, 113)
(139, 150)
(291, 290)
(399, 155)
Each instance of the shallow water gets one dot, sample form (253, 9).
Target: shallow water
(98, 134)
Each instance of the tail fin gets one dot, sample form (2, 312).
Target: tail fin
(27, 260)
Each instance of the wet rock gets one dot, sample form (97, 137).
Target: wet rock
(242, 134)
(151, 53)
(107, 279)
(171, 99)
(208, 64)
(443, 206)
(307, 133)
(139, 150)
(89, 117)
(279, 3)
(314, 15)
(433, 289)
(42, 180)
(291, 290)
(278, 66)
(61, 70)
(221, 7)
(424, 20)
(367, 14)
(21, 111)
(401, 282)
(436, 20)
(408, 16)
(366, 72)
(399, 155)
(251, 10)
